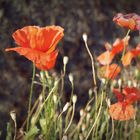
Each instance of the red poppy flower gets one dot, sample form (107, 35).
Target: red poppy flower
(110, 71)
(38, 44)
(123, 110)
(132, 94)
(117, 113)
(128, 95)
(131, 21)
(127, 58)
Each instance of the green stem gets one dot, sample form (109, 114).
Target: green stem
(97, 117)
(124, 50)
(70, 119)
(30, 98)
(43, 85)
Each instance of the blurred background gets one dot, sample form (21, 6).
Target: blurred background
(91, 16)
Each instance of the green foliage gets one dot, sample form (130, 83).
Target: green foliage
(30, 135)
(9, 131)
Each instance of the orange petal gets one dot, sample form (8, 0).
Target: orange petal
(42, 60)
(39, 38)
(119, 45)
(117, 113)
(20, 36)
(127, 21)
(110, 72)
(127, 58)
(105, 58)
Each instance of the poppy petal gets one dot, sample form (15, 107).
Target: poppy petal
(130, 55)
(105, 58)
(119, 45)
(132, 94)
(20, 36)
(117, 113)
(127, 21)
(119, 95)
(42, 39)
(110, 72)
(127, 58)
(42, 60)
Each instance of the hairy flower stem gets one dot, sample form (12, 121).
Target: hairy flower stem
(30, 98)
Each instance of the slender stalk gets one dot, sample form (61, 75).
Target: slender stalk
(98, 115)
(70, 119)
(44, 86)
(43, 104)
(13, 116)
(30, 97)
(124, 50)
(112, 130)
(31, 112)
(91, 57)
(81, 119)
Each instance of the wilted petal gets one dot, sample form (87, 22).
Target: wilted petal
(117, 112)
(131, 21)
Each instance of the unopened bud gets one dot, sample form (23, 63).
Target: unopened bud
(71, 77)
(103, 80)
(119, 82)
(40, 98)
(13, 115)
(88, 108)
(90, 92)
(85, 37)
(81, 112)
(66, 106)
(129, 83)
(83, 127)
(74, 99)
(65, 60)
(55, 98)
